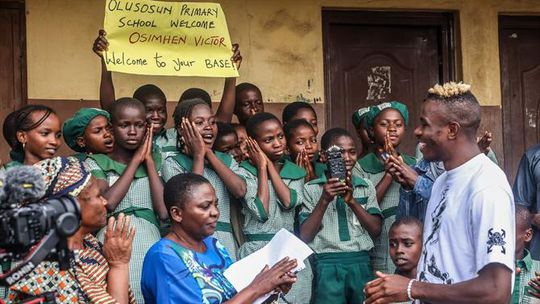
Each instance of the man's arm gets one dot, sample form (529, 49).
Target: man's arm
(493, 285)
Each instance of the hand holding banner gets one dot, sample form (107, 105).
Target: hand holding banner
(168, 38)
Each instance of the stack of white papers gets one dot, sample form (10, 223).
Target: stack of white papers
(283, 244)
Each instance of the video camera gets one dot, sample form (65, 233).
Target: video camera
(32, 229)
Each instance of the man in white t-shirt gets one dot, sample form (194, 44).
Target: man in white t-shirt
(469, 238)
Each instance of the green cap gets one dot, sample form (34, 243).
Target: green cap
(358, 115)
(75, 126)
(376, 110)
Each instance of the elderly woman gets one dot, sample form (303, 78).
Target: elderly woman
(187, 265)
(98, 273)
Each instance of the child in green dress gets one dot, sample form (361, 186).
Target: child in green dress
(89, 132)
(386, 124)
(274, 191)
(129, 179)
(338, 221)
(300, 110)
(303, 147)
(196, 125)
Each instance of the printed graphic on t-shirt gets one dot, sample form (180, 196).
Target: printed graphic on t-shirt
(430, 264)
(496, 239)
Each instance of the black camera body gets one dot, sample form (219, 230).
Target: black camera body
(31, 228)
(23, 227)
(335, 163)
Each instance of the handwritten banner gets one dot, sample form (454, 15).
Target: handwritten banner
(168, 38)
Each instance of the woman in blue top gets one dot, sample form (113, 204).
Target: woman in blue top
(187, 265)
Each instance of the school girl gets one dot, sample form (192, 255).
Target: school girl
(196, 127)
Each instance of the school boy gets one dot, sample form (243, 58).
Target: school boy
(526, 266)
(338, 221)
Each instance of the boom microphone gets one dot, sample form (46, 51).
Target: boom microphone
(23, 185)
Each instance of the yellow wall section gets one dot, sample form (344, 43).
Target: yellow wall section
(281, 42)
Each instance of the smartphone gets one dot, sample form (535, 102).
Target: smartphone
(335, 165)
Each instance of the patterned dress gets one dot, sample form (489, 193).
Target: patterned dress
(190, 276)
(138, 203)
(370, 167)
(260, 227)
(178, 163)
(84, 282)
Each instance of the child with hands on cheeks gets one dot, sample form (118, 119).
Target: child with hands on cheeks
(338, 220)
(274, 191)
(303, 147)
(196, 126)
(129, 179)
(386, 123)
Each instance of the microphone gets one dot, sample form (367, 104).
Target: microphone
(23, 185)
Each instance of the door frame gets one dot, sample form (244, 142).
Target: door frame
(20, 5)
(448, 44)
(510, 22)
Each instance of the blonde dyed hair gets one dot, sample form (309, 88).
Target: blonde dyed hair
(450, 89)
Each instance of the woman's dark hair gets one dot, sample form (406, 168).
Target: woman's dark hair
(182, 110)
(254, 121)
(179, 188)
(23, 122)
(331, 135)
(123, 103)
(147, 90)
(289, 127)
(292, 109)
(193, 93)
(8, 129)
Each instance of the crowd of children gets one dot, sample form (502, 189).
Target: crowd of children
(267, 173)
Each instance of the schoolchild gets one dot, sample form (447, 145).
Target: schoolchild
(303, 147)
(196, 128)
(129, 178)
(89, 132)
(386, 123)
(274, 191)
(338, 220)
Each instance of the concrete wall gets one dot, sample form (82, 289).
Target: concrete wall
(281, 42)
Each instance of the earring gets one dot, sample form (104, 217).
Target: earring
(23, 145)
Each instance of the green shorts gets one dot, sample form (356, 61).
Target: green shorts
(339, 278)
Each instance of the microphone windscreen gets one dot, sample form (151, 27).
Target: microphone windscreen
(24, 184)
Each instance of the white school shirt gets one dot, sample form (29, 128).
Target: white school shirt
(469, 223)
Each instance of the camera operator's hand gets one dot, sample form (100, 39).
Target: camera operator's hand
(118, 240)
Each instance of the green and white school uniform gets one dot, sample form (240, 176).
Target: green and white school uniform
(371, 168)
(260, 226)
(166, 141)
(138, 203)
(178, 163)
(342, 263)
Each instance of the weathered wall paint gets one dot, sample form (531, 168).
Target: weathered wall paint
(281, 42)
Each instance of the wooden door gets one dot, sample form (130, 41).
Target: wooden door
(12, 63)
(374, 57)
(519, 42)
